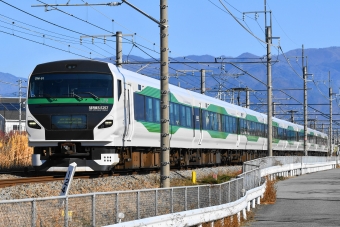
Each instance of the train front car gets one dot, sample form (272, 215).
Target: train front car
(69, 116)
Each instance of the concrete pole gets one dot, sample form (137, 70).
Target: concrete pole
(20, 81)
(164, 82)
(305, 110)
(330, 114)
(247, 98)
(269, 90)
(203, 81)
(119, 49)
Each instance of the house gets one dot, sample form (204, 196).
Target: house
(10, 119)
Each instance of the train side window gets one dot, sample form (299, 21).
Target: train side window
(223, 123)
(206, 120)
(182, 115)
(176, 115)
(156, 110)
(230, 124)
(119, 84)
(148, 109)
(171, 113)
(139, 107)
(188, 115)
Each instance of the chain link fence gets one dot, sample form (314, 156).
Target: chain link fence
(105, 208)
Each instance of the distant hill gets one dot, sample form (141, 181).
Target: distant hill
(285, 75)
(9, 86)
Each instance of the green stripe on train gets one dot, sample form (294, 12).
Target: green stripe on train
(252, 138)
(156, 127)
(155, 93)
(218, 135)
(36, 101)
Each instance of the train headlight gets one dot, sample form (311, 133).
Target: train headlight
(106, 124)
(33, 124)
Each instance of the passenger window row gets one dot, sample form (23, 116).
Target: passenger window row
(148, 109)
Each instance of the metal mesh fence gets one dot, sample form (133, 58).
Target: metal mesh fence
(147, 204)
(225, 198)
(215, 193)
(163, 201)
(127, 204)
(16, 214)
(192, 198)
(233, 191)
(50, 212)
(105, 209)
(98, 209)
(179, 199)
(204, 195)
(80, 211)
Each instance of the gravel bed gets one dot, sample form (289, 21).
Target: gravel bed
(8, 176)
(114, 183)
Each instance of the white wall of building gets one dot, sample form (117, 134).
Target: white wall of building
(13, 125)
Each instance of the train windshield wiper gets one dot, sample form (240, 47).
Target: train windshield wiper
(45, 95)
(93, 95)
(74, 95)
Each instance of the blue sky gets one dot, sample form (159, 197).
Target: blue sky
(197, 27)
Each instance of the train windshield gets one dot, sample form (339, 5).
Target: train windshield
(64, 85)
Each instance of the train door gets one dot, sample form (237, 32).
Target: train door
(198, 134)
(128, 109)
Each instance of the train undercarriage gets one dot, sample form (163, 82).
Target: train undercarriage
(57, 159)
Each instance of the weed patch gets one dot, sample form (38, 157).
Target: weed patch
(14, 151)
(269, 196)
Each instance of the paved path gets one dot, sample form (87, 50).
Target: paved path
(311, 200)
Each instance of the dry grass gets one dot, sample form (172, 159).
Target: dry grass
(14, 151)
(269, 196)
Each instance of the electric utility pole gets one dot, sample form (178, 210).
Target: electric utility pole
(305, 109)
(165, 138)
(20, 83)
(330, 114)
(269, 90)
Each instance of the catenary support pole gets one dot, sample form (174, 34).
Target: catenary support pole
(119, 49)
(203, 81)
(247, 98)
(269, 91)
(164, 82)
(20, 104)
(305, 111)
(330, 114)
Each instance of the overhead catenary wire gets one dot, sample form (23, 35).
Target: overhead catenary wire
(45, 44)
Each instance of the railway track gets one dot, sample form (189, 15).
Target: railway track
(29, 180)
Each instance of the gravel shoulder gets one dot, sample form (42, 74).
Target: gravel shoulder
(105, 184)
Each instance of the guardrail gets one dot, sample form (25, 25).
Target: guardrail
(152, 205)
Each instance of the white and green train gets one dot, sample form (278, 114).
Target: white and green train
(108, 118)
